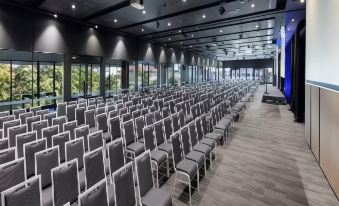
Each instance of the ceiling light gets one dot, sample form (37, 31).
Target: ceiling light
(203, 16)
(222, 10)
(115, 20)
(181, 42)
(220, 30)
(252, 5)
(169, 23)
(142, 29)
(138, 4)
(292, 20)
(73, 6)
(179, 31)
(257, 26)
(169, 39)
(144, 12)
(96, 26)
(288, 29)
(302, 1)
(55, 15)
(191, 46)
(183, 0)
(192, 35)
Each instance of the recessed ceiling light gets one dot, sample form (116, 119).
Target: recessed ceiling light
(73, 6)
(302, 1)
(96, 26)
(183, 0)
(191, 46)
(169, 39)
(192, 35)
(292, 20)
(115, 20)
(142, 29)
(179, 31)
(144, 12)
(288, 29)
(169, 23)
(252, 5)
(204, 16)
(55, 15)
(181, 42)
(220, 30)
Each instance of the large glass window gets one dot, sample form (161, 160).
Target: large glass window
(221, 76)
(177, 74)
(131, 75)
(22, 82)
(227, 73)
(170, 75)
(5, 84)
(112, 78)
(243, 73)
(78, 78)
(234, 74)
(152, 72)
(95, 79)
(46, 81)
(249, 73)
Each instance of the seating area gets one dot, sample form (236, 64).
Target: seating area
(120, 150)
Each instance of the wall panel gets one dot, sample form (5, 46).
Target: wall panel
(308, 113)
(315, 121)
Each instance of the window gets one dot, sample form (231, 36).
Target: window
(22, 82)
(95, 79)
(234, 74)
(140, 83)
(170, 75)
(5, 85)
(131, 75)
(243, 73)
(46, 81)
(152, 75)
(249, 74)
(221, 76)
(78, 78)
(145, 75)
(85, 73)
(227, 73)
(112, 78)
(177, 74)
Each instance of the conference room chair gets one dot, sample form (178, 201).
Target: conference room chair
(7, 155)
(175, 122)
(4, 114)
(157, 116)
(112, 114)
(115, 128)
(136, 114)
(168, 128)
(165, 112)
(38, 126)
(41, 113)
(22, 139)
(30, 149)
(101, 110)
(83, 132)
(48, 133)
(126, 117)
(6, 119)
(17, 112)
(116, 155)
(95, 140)
(110, 108)
(31, 120)
(9, 124)
(185, 169)
(94, 167)
(60, 140)
(200, 134)
(14, 131)
(159, 157)
(70, 112)
(133, 148)
(102, 122)
(95, 195)
(147, 193)
(65, 183)
(61, 109)
(90, 119)
(49, 117)
(75, 149)
(70, 127)
(4, 144)
(60, 121)
(215, 135)
(24, 116)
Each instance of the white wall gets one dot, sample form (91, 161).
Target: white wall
(322, 41)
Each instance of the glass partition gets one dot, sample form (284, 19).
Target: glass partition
(227, 73)
(243, 73)
(177, 69)
(249, 75)
(152, 72)
(131, 75)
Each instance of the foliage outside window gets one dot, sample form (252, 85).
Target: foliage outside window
(131, 75)
(177, 74)
(152, 75)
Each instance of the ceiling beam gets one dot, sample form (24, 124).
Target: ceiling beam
(197, 8)
(107, 10)
(231, 44)
(35, 3)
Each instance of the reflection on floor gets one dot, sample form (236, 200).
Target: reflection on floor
(266, 162)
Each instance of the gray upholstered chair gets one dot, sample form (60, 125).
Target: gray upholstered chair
(162, 144)
(123, 180)
(60, 121)
(95, 195)
(75, 149)
(14, 131)
(71, 126)
(22, 139)
(31, 120)
(7, 155)
(80, 115)
(175, 122)
(70, 112)
(30, 149)
(139, 126)
(168, 128)
(149, 119)
(24, 116)
(49, 117)
(17, 112)
(61, 109)
(95, 140)
(6, 119)
(94, 167)
(41, 113)
(116, 155)
(132, 147)
(38, 126)
(48, 133)
(114, 128)
(9, 124)
(90, 118)
(60, 140)
(83, 132)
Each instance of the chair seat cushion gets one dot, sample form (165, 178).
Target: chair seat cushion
(167, 147)
(205, 149)
(209, 142)
(221, 126)
(157, 197)
(136, 147)
(159, 156)
(187, 166)
(215, 136)
(197, 157)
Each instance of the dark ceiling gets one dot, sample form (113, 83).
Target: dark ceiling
(246, 29)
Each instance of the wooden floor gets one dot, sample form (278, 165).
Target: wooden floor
(266, 162)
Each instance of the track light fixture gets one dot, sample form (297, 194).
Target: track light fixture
(222, 10)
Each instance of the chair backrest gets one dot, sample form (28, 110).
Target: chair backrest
(38, 126)
(152, 108)
(83, 132)
(144, 111)
(24, 116)
(95, 140)
(22, 139)
(182, 118)
(17, 112)
(116, 155)
(144, 173)
(102, 122)
(90, 118)
(126, 117)
(113, 113)
(94, 167)
(60, 140)
(82, 105)
(175, 122)
(49, 117)
(48, 133)
(110, 108)
(122, 111)
(136, 114)
(4, 114)
(101, 105)
(132, 109)
(119, 106)
(4, 144)
(75, 149)
(95, 195)
(185, 138)
(168, 127)
(149, 119)
(28, 192)
(60, 121)
(9, 124)
(14, 131)
(45, 161)
(157, 115)
(70, 112)
(80, 115)
(12, 173)
(193, 133)
(72, 103)
(65, 183)
(7, 155)
(200, 132)
(205, 124)
(165, 112)
(194, 111)
(123, 181)
(6, 119)
(149, 138)
(41, 113)
(202, 109)
(159, 132)
(114, 127)
(139, 126)
(100, 110)
(31, 120)
(61, 109)
(128, 131)
(30, 149)
(70, 127)
(128, 104)
(177, 148)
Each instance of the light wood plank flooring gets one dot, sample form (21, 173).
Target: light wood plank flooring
(266, 162)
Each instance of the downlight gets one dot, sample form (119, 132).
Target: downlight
(138, 4)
